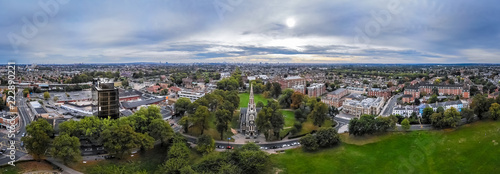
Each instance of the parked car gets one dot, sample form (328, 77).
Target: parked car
(229, 147)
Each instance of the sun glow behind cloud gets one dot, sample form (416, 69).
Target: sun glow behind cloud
(426, 31)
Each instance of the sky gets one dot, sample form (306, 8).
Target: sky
(284, 31)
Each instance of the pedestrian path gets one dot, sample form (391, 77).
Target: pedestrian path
(65, 168)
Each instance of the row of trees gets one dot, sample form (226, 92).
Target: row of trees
(270, 120)
(369, 124)
(118, 137)
(324, 138)
(219, 103)
(268, 90)
(248, 159)
(482, 106)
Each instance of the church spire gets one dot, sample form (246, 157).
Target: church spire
(251, 102)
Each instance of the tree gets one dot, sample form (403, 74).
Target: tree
(433, 99)
(297, 98)
(309, 143)
(178, 157)
(66, 148)
(437, 81)
(327, 137)
(494, 111)
(222, 118)
(333, 111)
(161, 130)
(285, 98)
(385, 123)
(263, 123)
(405, 124)
(366, 124)
(426, 115)
(440, 110)
(417, 101)
(205, 144)
(120, 139)
(276, 90)
(319, 114)
(181, 106)
(251, 159)
(38, 138)
(266, 94)
(201, 118)
(468, 114)
(260, 104)
(450, 118)
(46, 95)
(390, 84)
(184, 121)
(300, 116)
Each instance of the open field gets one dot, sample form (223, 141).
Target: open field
(28, 166)
(469, 149)
(289, 118)
(244, 98)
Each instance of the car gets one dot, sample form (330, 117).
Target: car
(3, 150)
(229, 147)
(22, 144)
(24, 134)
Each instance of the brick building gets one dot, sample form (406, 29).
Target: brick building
(376, 92)
(316, 89)
(335, 98)
(292, 81)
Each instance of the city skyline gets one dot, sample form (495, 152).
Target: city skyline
(337, 32)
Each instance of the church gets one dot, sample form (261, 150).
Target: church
(247, 118)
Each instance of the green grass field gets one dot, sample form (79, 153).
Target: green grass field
(244, 98)
(289, 118)
(469, 149)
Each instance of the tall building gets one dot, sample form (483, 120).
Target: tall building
(105, 100)
(247, 118)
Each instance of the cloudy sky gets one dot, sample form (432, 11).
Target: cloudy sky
(312, 31)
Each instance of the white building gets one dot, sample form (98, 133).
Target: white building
(369, 106)
(191, 95)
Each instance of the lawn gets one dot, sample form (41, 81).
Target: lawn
(289, 118)
(469, 149)
(308, 126)
(26, 166)
(244, 98)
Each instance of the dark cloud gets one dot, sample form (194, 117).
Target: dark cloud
(436, 31)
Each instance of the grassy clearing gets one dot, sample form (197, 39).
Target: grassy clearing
(27, 166)
(308, 126)
(289, 118)
(469, 149)
(244, 98)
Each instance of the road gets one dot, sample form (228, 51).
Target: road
(390, 105)
(25, 118)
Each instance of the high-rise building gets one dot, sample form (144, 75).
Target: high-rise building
(105, 100)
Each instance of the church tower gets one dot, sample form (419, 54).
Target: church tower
(251, 129)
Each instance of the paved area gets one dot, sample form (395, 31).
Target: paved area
(389, 107)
